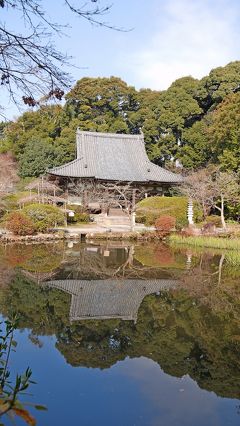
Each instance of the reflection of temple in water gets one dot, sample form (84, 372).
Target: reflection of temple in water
(105, 299)
(104, 280)
(39, 277)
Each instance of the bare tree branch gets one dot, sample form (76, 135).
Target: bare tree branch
(112, 194)
(30, 64)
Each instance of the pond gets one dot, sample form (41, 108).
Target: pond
(125, 334)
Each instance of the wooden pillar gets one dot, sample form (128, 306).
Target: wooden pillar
(67, 191)
(133, 199)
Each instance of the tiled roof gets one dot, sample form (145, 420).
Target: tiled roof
(114, 157)
(100, 299)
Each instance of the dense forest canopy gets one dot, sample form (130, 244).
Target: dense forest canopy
(194, 121)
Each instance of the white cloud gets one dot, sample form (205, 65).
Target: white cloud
(194, 36)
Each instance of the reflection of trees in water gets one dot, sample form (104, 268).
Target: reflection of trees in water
(33, 258)
(177, 329)
(160, 256)
(6, 270)
(6, 274)
(173, 330)
(92, 261)
(96, 262)
(109, 261)
(38, 262)
(44, 311)
(214, 283)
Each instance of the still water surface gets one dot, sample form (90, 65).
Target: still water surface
(124, 335)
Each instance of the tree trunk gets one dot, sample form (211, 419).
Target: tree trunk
(220, 269)
(133, 221)
(222, 213)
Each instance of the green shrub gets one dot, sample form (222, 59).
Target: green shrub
(140, 218)
(232, 222)
(79, 216)
(44, 216)
(151, 208)
(82, 217)
(232, 211)
(19, 223)
(181, 223)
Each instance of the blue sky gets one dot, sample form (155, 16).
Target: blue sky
(170, 39)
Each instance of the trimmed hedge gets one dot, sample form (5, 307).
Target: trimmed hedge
(44, 216)
(151, 208)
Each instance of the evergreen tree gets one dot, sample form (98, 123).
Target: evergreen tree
(37, 157)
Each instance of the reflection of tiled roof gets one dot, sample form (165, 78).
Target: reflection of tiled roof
(100, 299)
(115, 157)
(39, 276)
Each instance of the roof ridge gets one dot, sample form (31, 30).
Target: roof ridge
(110, 135)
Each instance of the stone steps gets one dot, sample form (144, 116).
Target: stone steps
(117, 212)
(112, 220)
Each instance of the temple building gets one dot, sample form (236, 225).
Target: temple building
(112, 166)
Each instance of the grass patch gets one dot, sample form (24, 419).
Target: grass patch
(212, 242)
(233, 258)
(80, 225)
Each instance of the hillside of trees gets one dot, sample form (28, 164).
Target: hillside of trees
(196, 122)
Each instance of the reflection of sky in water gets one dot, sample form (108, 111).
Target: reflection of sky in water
(132, 392)
(178, 401)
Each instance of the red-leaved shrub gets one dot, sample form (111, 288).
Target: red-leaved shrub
(19, 224)
(164, 225)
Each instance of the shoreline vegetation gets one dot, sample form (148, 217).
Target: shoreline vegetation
(206, 241)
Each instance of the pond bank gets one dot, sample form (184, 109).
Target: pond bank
(208, 242)
(82, 236)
